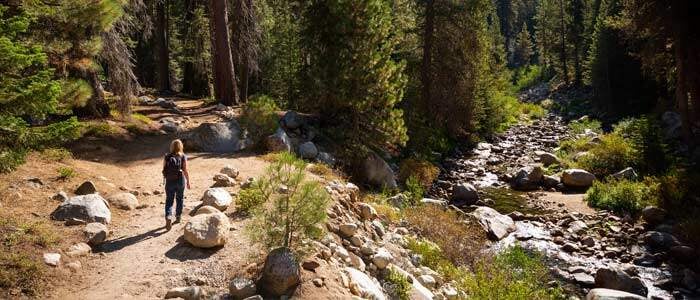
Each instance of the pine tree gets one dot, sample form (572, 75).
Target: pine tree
(74, 48)
(354, 82)
(196, 53)
(245, 38)
(523, 48)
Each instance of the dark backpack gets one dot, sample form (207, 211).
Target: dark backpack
(173, 167)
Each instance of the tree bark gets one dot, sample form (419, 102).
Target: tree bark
(162, 44)
(562, 54)
(96, 105)
(222, 61)
(245, 77)
(680, 32)
(428, 30)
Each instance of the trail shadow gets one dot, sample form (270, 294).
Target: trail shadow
(121, 243)
(183, 251)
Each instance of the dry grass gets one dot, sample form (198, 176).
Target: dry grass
(325, 171)
(422, 170)
(21, 270)
(459, 239)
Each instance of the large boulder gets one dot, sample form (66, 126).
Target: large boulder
(464, 194)
(218, 198)
(206, 209)
(95, 233)
(528, 178)
(616, 279)
(279, 141)
(308, 150)
(280, 274)
(547, 158)
(364, 286)
(125, 201)
(660, 240)
(653, 215)
(207, 230)
(608, 294)
(577, 178)
(377, 172)
(230, 171)
(89, 208)
(627, 173)
(496, 225)
(221, 137)
(86, 188)
(292, 120)
(223, 180)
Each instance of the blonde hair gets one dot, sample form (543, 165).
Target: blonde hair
(176, 147)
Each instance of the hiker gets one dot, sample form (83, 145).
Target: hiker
(176, 178)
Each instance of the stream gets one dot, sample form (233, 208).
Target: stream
(574, 244)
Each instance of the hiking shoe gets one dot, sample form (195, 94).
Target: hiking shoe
(167, 223)
(177, 220)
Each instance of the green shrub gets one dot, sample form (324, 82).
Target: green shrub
(622, 196)
(10, 159)
(579, 126)
(647, 139)
(250, 197)
(425, 138)
(459, 239)
(260, 117)
(511, 274)
(532, 111)
(414, 190)
(141, 118)
(56, 154)
(423, 171)
(526, 77)
(611, 155)
(292, 207)
(65, 173)
(434, 258)
(397, 285)
(98, 129)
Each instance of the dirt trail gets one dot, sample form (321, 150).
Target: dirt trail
(141, 260)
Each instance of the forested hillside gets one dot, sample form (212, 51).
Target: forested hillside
(502, 149)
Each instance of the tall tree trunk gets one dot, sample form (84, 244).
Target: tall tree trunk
(222, 61)
(96, 106)
(562, 32)
(162, 44)
(188, 67)
(680, 32)
(245, 77)
(428, 30)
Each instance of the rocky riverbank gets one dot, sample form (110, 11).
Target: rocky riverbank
(586, 249)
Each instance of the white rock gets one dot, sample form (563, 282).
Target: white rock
(52, 259)
(218, 198)
(79, 249)
(187, 293)
(364, 286)
(207, 230)
(577, 178)
(125, 201)
(206, 210)
(497, 225)
(427, 281)
(382, 258)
